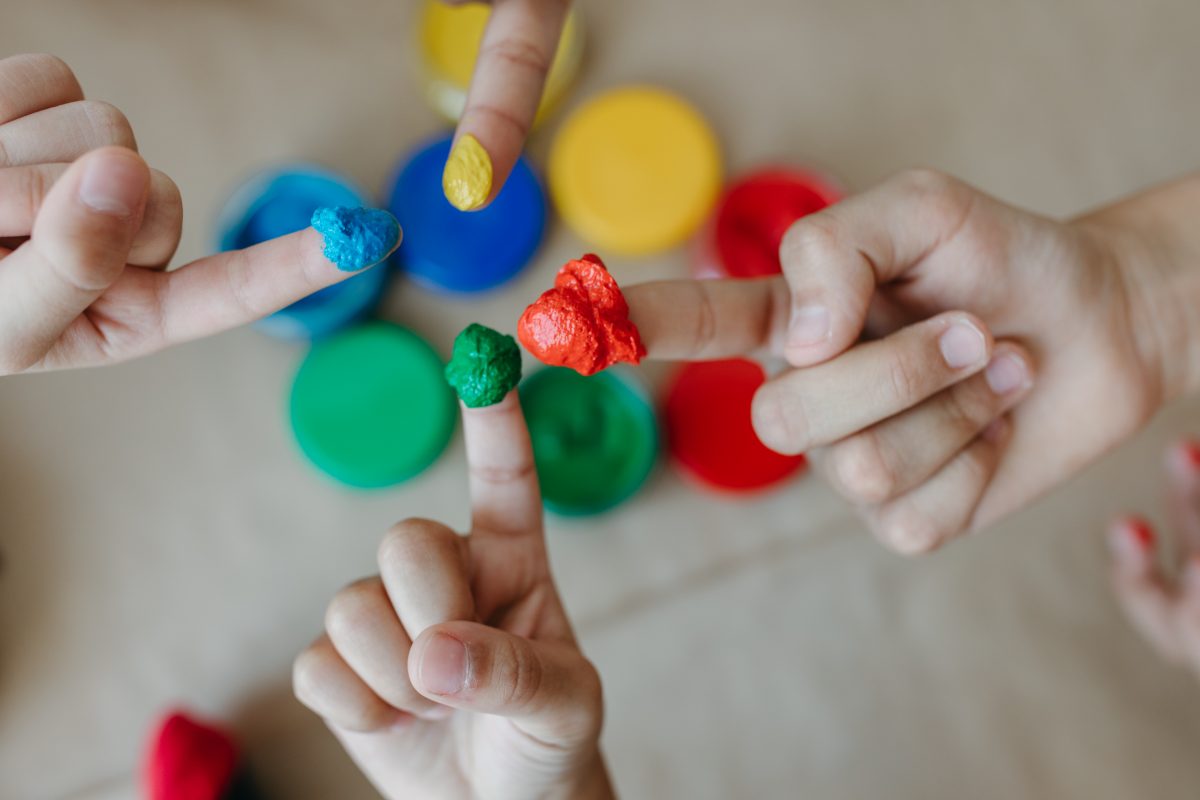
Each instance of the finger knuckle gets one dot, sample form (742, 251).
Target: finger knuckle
(521, 673)
(810, 238)
(519, 52)
(904, 379)
(781, 425)
(864, 469)
(908, 530)
(306, 671)
(49, 68)
(109, 123)
(944, 198)
(967, 408)
(406, 541)
(353, 607)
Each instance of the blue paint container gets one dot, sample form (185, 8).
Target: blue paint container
(464, 252)
(281, 201)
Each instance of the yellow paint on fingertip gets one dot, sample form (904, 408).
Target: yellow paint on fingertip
(467, 179)
(635, 170)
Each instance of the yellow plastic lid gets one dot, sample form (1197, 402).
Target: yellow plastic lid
(449, 40)
(635, 170)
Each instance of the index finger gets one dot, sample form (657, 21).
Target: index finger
(505, 497)
(515, 55)
(702, 320)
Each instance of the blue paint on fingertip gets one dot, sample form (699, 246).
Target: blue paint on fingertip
(279, 201)
(356, 237)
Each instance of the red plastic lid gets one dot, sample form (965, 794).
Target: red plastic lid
(709, 430)
(756, 212)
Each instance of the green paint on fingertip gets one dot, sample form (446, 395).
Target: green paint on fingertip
(485, 366)
(356, 238)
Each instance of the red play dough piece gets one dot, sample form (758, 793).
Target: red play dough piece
(709, 431)
(189, 760)
(583, 322)
(754, 214)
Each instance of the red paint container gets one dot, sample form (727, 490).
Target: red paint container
(709, 433)
(742, 238)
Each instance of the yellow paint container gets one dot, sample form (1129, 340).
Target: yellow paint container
(635, 170)
(449, 38)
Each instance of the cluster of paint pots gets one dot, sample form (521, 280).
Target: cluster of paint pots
(634, 171)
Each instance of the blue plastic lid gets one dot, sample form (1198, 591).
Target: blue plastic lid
(281, 201)
(464, 251)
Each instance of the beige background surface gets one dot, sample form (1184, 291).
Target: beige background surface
(164, 544)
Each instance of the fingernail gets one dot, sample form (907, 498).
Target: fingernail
(356, 238)
(809, 325)
(1130, 538)
(1007, 373)
(444, 665)
(467, 178)
(112, 186)
(962, 344)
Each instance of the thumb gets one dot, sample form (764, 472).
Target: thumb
(78, 247)
(834, 260)
(548, 688)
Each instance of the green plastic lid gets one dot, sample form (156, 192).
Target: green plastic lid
(595, 440)
(370, 407)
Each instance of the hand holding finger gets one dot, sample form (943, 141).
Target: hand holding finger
(898, 454)
(817, 405)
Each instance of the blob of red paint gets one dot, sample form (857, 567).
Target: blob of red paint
(583, 322)
(189, 760)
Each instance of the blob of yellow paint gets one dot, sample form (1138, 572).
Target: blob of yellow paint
(467, 179)
(449, 38)
(635, 170)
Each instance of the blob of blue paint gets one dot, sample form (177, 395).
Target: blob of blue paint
(280, 201)
(356, 237)
(464, 252)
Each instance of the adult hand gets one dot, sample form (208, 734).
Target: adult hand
(950, 357)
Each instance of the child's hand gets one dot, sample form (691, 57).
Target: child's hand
(515, 56)
(1004, 350)
(1164, 611)
(86, 227)
(455, 673)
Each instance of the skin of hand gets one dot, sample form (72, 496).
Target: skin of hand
(454, 672)
(87, 229)
(515, 56)
(951, 357)
(1165, 611)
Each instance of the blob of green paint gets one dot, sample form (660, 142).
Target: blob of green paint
(485, 366)
(356, 237)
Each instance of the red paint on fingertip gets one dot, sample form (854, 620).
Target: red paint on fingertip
(583, 322)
